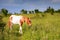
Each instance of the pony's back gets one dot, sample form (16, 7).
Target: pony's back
(15, 19)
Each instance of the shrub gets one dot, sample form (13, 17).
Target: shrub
(2, 24)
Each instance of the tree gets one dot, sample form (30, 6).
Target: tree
(58, 11)
(4, 11)
(24, 11)
(2, 25)
(50, 10)
(30, 12)
(36, 11)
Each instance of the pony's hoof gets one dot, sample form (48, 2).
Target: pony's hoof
(20, 33)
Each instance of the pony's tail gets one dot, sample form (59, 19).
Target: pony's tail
(9, 23)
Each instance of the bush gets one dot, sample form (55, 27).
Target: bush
(2, 24)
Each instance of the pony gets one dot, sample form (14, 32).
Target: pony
(14, 19)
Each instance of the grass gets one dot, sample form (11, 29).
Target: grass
(43, 28)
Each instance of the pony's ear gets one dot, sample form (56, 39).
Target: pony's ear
(29, 18)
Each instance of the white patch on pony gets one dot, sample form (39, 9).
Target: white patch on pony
(16, 19)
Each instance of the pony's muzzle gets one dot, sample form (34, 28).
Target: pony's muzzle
(30, 25)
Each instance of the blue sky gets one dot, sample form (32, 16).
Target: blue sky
(17, 5)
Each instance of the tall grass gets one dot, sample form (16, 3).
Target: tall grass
(43, 28)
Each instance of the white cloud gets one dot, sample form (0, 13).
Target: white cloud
(10, 4)
(6, 1)
(10, 1)
(55, 1)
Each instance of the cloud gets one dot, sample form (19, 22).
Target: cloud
(10, 2)
(6, 1)
(10, 5)
(55, 1)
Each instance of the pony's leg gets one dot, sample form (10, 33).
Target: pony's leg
(20, 30)
(10, 25)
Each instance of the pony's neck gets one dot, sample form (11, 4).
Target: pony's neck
(25, 19)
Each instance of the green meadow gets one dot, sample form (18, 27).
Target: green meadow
(44, 27)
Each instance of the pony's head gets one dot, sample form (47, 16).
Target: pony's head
(28, 21)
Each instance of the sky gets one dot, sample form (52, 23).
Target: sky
(17, 5)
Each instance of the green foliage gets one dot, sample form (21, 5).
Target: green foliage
(4, 11)
(52, 11)
(24, 11)
(31, 12)
(49, 10)
(36, 11)
(2, 24)
(57, 11)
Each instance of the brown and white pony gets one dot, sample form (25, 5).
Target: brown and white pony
(14, 19)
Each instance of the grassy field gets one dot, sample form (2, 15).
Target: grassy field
(45, 27)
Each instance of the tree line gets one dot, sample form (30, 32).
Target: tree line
(23, 11)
